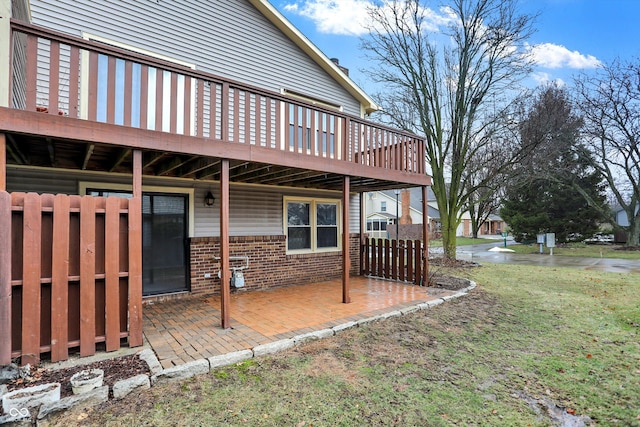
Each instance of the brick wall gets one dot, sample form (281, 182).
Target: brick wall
(269, 265)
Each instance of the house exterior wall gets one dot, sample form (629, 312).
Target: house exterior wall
(231, 39)
(256, 227)
(269, 265)
(253, 211)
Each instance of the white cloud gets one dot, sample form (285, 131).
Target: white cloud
(344, 17)
(542, 78)
(551, 55)
(351, 17)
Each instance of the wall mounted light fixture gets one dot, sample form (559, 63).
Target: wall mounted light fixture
(209, 199)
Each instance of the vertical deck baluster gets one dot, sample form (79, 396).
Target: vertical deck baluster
(199, 117)
(54, 77)
(92, 100)
(160, 101)
(32, 73)
(111, 90)
(144, 97)
(247, 117)
(186, 127)
(128, 89)
(74, 75)
(173, 104)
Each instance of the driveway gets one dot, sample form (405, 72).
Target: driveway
(480, 253)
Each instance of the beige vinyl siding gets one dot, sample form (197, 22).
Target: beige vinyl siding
(228, 38)
(254, 210)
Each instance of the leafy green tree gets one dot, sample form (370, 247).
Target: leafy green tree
(546, 193)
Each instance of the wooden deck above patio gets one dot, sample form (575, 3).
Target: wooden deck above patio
(80, 104)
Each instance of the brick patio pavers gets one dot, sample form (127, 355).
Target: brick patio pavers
(183, 330)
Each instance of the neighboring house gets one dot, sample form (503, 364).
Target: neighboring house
(385, 208)
(622, 219)
(494, 225)
(225, 136)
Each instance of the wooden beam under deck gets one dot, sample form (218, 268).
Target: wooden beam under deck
(124, 153)
(66, 128)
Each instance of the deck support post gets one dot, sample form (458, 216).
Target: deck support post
(346, 262)
(224, 243)
(3, 162)
(5, 260)
(135, 254)
(425, 237)
(363, 227)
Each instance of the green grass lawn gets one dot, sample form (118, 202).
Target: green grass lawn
(580, 250)
(526, 339)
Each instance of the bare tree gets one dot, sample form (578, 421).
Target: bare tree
(486, 199)
(441, 83)
(610, 105)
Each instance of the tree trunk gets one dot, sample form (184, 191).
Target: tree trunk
(633, 232)
(449, 242)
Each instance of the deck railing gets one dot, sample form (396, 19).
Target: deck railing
(69, 76)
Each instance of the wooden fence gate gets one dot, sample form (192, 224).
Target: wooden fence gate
(75, 274)
(393, 259)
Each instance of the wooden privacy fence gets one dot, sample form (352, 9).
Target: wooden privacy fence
(75, 274)
(393, 259)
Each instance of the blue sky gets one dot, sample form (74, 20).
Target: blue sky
(571, 36)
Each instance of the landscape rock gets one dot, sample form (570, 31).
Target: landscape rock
(30, 397)
(124, 387)
(409, 310)
(344, 326)
(152, 361)
(81, 401)
(17, 418)
(272, 347)
(180, 372)
(9, 373)
(229, 358)
(313, 336)
(395, 313)
(86, 380)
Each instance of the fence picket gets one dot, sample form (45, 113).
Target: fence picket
(112, 270)
(87, 276)
(60, 279)
(32, 221)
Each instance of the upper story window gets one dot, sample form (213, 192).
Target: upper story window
(383, 206)
(312, 224)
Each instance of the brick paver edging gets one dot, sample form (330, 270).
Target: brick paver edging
(197, 367)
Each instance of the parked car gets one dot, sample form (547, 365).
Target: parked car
(600, 238)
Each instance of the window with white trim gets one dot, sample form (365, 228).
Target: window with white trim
(312, 225)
